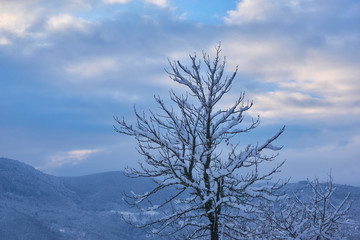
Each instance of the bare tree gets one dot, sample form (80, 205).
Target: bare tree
(317, 218)
(215, 194)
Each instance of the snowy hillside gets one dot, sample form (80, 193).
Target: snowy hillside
(34, 205)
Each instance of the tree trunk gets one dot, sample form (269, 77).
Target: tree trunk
(215, 230)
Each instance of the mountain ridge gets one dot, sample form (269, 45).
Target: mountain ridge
(35, 205)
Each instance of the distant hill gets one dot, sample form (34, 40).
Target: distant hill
(38, 206)
(104, 191)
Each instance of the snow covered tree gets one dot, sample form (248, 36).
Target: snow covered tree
(215, 195)
(318, 218)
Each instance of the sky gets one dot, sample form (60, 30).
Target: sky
(67, 67)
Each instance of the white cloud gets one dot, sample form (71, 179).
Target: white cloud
(120, 96)
(283, 11)
(73, 157)
(93, 68)
(250, 10)
(4, 41)
(311, 66)
(116, 1)
(160, 3)
(65, 22)
(310, 85)
(16, 16)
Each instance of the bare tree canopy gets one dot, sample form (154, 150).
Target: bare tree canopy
(317, 218)
(215, 195)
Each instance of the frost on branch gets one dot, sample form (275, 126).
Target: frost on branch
(213, 196)
(317, 218)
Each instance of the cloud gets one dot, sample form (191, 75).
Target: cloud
(305, 61)
(285, 12)
(122, 53)
(298, 61)
(116, 1)
(251, 10)
(16, 17)
(93, 68)
(119, 96)
(318, 87)
(34, 20)
(73, 157)
(160, 3)
(307, 50)
(65, 22)
(4, 41)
